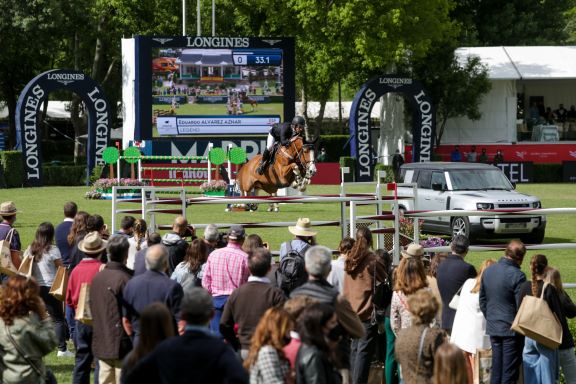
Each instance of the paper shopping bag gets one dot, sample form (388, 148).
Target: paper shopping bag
(27, 265)
(7, 259)
(83, 312)
(58, 288)
(536, 320)
(482, 366)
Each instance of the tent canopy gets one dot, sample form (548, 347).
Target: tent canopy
(527, 63)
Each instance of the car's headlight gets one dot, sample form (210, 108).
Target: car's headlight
(536, 204)
(484, 206)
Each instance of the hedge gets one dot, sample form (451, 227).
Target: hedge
(389, 173)
(64, 174)
(12, 168)
(334, 145)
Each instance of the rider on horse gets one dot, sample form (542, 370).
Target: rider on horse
(282, 133)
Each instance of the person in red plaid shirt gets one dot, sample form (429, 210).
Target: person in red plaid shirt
(226, 270)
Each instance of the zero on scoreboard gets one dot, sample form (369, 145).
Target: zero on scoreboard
(257, 57)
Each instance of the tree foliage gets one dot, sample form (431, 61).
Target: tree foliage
(456, 88)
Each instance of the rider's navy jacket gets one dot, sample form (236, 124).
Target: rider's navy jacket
(282, 132)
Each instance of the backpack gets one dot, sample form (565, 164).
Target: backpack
(292, 272)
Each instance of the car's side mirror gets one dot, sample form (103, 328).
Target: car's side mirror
(437, 187)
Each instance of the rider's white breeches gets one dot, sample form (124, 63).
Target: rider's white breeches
(270, 142)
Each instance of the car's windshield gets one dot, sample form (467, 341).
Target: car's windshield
(474, 179)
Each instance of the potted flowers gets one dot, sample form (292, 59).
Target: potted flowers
(102, 188)
(214, 188)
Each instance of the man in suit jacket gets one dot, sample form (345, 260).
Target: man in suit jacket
(196, 356)
(63, 229)
(500, 297)
(451, 275)
(149, 287)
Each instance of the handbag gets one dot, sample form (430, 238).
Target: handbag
(47, 376)
(60, 283)
(27, 264)
(482, 366)
(83, 312)
(7, 265)
(455, 299)
(536, 320)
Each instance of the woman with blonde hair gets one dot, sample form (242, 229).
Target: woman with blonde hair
(409, 277)
(266, 360)
(450, 366)
(416, 345)
(469, 328)
(566, 355)
(137, 241)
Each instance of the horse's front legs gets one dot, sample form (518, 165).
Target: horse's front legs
(273, 207)
(298, 179)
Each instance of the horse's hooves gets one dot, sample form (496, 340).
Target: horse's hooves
(227, 210)
(276, 209)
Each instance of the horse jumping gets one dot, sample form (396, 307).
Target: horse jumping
(293, 167)
(247, 100)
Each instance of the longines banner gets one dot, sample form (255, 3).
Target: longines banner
(423, 120)
(27, 112)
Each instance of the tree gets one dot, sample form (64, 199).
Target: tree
(27, 41)
(513, 22)
(456, 88)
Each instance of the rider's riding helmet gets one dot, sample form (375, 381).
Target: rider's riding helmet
(299, 120)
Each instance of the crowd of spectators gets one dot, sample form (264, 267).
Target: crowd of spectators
(179, 308)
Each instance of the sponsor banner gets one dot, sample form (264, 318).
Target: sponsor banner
(210, 125)
(212, 99)
(423, 120)
(169, 99)
(536, 153)
(260, 99)
(28, 107)
(569, 171)
(327, 173)
(522, 172)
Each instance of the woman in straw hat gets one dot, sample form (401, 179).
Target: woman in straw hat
(7, 232)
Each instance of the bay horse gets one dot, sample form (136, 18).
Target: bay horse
(247, 100)
(293, 166)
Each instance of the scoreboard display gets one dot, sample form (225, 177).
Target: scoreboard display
(256, 57)
(202, 87)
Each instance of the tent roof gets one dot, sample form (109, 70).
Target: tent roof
(534, 63)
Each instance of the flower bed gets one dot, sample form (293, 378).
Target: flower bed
(214, 188)
(102, 188)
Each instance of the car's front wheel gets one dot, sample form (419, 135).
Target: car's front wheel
(461, 226)
(536, 237)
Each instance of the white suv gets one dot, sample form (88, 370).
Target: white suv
(470, 186)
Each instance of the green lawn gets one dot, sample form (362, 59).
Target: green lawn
(220, 109)
(45, 204)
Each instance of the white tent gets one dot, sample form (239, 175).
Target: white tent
(548, 72)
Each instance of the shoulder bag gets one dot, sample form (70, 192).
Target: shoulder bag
(47, 376)
(536, 320)
(455, 299)
(27, 264)
(7, 265)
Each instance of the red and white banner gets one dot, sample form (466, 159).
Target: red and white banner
(537, 153)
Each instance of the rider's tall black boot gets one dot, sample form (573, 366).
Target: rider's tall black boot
(263, 162)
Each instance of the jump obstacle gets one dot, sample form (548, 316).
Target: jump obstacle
(348, 222)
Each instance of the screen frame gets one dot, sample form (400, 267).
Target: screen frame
(143, 74)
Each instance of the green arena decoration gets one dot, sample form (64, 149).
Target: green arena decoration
(237, 155)
(110, 155)
(132, 155)
(217, 156)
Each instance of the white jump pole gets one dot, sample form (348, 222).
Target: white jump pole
(379, 237)
(210, 146)
(343, 171)
(229, 163)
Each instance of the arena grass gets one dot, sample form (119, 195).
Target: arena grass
(220, 109)
(36, 205)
